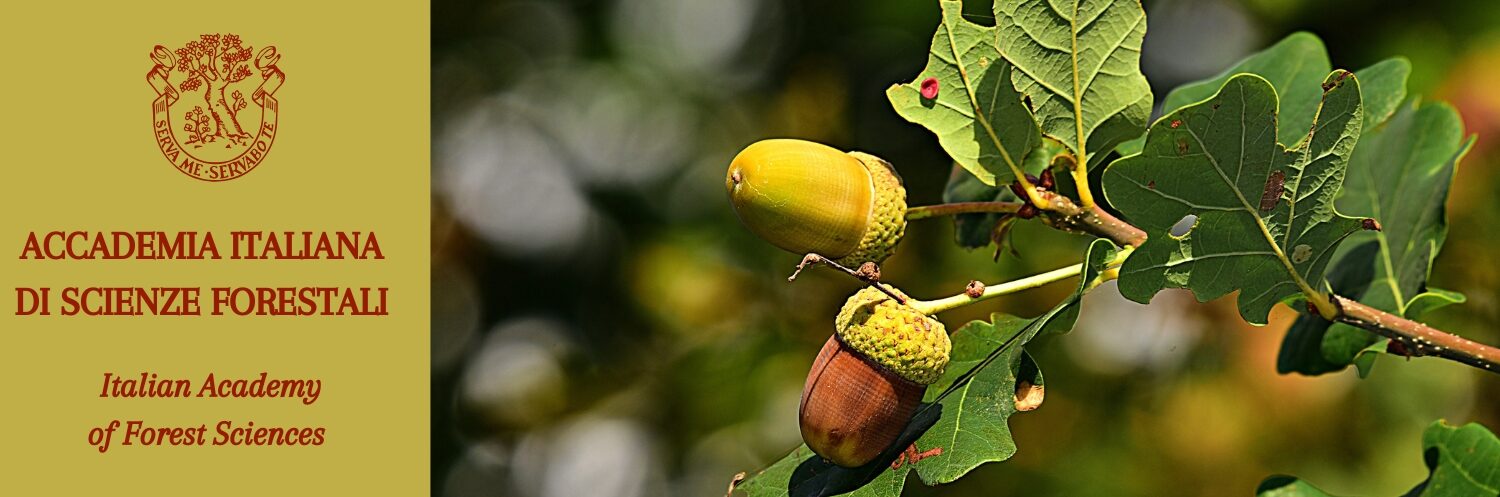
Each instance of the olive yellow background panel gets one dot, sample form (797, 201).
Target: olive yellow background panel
(351, 154)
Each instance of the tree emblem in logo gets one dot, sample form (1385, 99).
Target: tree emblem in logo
(203, 121)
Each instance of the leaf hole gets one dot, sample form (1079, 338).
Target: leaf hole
(1183, 225)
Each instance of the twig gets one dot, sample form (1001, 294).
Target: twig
(1418, 338)
(956, 208)
(1062, 213)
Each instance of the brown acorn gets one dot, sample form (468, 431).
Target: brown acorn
(870, 377)
(808, 197)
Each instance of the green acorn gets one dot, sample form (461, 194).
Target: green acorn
(868, 380)
(808, 197)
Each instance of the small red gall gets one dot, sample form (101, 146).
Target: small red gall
(1176, 123)
(929, 88)
(975, 289)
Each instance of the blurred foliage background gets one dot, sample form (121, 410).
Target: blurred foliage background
(603, 325)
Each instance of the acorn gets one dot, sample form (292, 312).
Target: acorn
(869, 379)
(807, 197)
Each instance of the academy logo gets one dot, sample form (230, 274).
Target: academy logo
(215, 111)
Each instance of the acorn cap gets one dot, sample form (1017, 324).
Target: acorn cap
(896, 336)
(808, 197)
(887, 221)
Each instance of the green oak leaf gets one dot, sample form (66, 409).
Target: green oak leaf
(1432, 299)
(1079, 62)
(977, 397)
(774, 479)
(1461, 462)
(966, 413)
(1399, 175)
(974, 428)
(977, 115)
(1265, 220)
(1294, 66)
(1288, 486)
(803, 474)
(1383, 86)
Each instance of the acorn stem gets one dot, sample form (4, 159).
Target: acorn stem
(991, 291)
(956, 208)
(868, 273)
